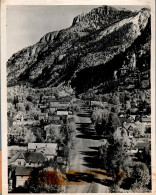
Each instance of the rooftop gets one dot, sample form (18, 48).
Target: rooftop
(28, 156)
(34, 157)
(32, 146)
(142, 145)
(23, 171)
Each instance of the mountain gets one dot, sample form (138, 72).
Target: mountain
(86, 53)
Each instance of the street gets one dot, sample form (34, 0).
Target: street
(84, 168)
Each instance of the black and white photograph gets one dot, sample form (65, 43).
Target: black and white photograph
(79, 98)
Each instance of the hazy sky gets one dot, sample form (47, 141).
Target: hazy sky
(27, 24)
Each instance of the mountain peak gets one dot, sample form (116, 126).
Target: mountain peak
(68, 55)
(100, 13)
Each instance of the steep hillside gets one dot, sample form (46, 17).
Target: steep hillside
(89, 47)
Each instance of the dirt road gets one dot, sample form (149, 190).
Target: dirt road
(85, 170)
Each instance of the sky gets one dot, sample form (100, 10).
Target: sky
(27, 24)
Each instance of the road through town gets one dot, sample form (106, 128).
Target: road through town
(84, 169)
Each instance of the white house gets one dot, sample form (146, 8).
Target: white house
(47, 149)
(22, 175)
(62, 112)
(19, 117)
(43, 116)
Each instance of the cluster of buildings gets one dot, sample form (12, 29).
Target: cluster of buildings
(50, 114)
(24, 161)
(43, 108)
(134, 112)
(136, 124)
(130, 76)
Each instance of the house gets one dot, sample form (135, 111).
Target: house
(39, 105)
(51, 111)
(124, 119)
(62, 112)
(22, 175)
(45, 97)
(130, 131)
(29, 117)
(19, 117)
(20, 106)
(49, 152)
(43, 116)
(146, 119)
(93, 102)
(130, 86)
(53, 118)
(54, 103)
(131, 128)
(43, 106)
(133, 111)
(47, 101)
(58, 104)
(132, 119)
(63, 115)
(28, 159)
(32, 122)
(143, 147)
(65, 103)
(47, 149)
(66, 99)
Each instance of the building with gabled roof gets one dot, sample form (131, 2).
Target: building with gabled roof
(22, 175)
(146, 119)
(143, 146)
(28, 159)
(47, 149)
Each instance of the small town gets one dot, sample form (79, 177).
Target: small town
(98, 140)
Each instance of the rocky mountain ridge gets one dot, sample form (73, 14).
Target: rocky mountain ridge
(93, 40)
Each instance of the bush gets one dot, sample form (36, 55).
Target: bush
(141, 175)
(42, 181)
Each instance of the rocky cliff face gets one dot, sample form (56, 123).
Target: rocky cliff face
(93, 41)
